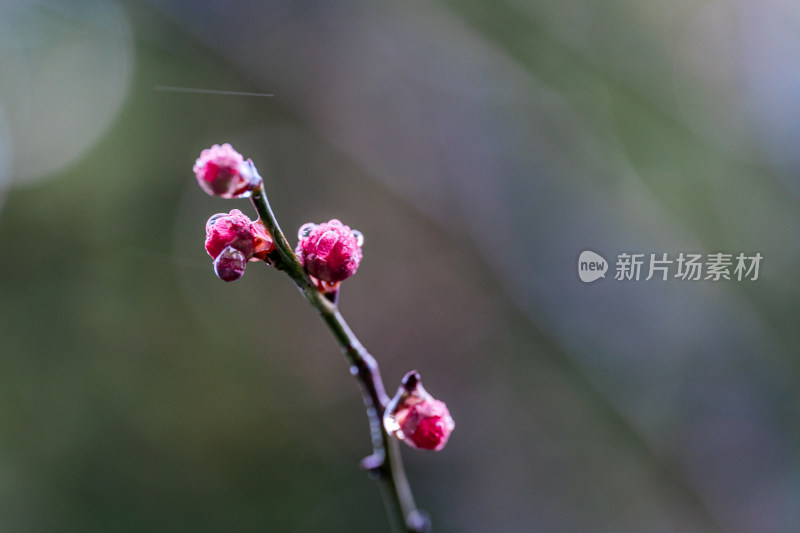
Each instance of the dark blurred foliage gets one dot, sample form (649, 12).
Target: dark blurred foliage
(480, 147)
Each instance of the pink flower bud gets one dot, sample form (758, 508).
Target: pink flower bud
(221, 171)
(230, 264)
(232, 229)
(330, 251)
(416, 417)
(235, 232)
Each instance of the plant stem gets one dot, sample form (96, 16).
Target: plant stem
(385, 464)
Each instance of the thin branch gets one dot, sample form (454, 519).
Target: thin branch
(385, 464)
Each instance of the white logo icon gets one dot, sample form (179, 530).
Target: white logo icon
(591, 266)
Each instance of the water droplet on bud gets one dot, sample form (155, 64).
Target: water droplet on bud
(359, 237)
(305, 230)
(230, 264)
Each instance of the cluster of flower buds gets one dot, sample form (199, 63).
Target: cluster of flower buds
(232, 239)
(330, 252)
(416, 417)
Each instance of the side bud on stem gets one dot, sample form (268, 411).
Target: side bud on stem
(416, 417)
(330, 252)
(232, 240)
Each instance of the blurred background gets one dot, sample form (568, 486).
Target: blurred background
(480, 147)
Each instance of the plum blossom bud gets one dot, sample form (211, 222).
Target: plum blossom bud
(232, 229)
(222, 171)
(416, 417)
(330, 251)
(227, 233)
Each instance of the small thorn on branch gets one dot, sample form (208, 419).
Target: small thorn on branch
(418, 522)
(373, 465)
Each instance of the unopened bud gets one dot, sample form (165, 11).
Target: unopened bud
(231, 229)
(236, 231)
(330, 251)
(416, 417)
(222, 171)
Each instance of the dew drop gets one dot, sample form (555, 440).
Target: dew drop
(392, 426)
(359, 237)
(305, 230)
(214, 218)
(230, 264)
